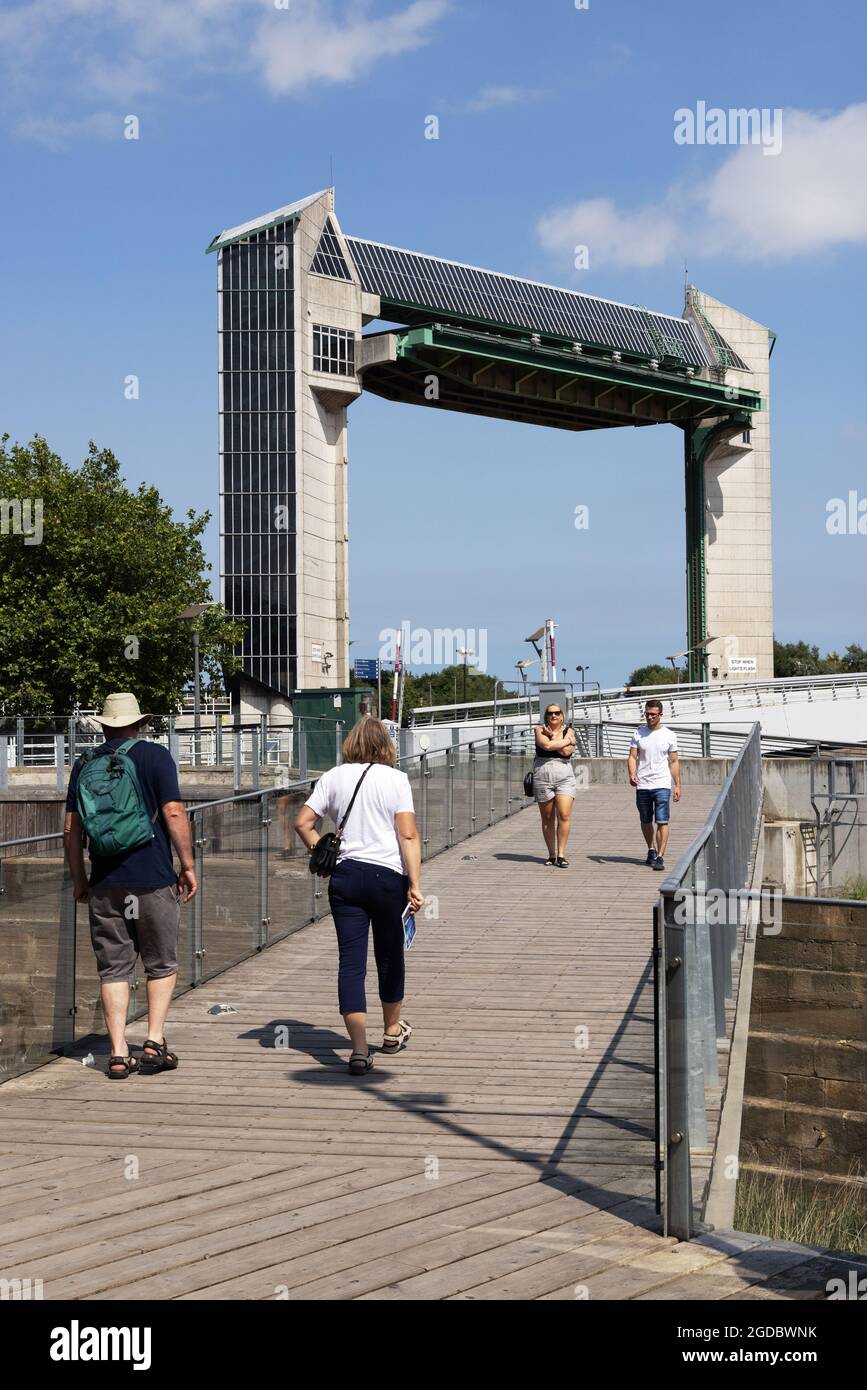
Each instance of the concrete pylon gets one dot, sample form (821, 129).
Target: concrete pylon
(728, 482)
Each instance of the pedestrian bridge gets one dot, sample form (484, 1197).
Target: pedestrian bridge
(508, 1153)
(792, 711)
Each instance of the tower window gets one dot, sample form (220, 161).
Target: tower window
(746, 436)
(333, 350)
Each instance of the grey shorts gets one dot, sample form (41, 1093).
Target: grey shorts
(553, 778)
(130, 922)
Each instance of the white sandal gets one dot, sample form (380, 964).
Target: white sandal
(393, 1042)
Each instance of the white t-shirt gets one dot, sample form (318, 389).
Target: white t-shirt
(369, 834)
(654, 746)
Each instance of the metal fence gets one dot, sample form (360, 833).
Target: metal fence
(695, 960)
(307, 743)
(255, 888)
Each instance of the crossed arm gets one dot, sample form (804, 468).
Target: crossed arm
(554, 743)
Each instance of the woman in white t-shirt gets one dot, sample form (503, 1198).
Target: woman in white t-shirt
(378, 873)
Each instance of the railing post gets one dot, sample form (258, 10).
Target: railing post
(263, 740)
(264, 908)
(254, 757)
(338, 741)
(236, 758)
(424, 774)
(302, 749)
(675, 1111)
(450, 795)
(472, 788)
(19, 741)
(4, 762)
(509, 775)
(198, 917)
(492, 768)
(70, 736)
(58, 761)
(705, 740)
(218, 740)
(174, 743)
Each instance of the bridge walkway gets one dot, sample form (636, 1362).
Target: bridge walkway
(493, 1159)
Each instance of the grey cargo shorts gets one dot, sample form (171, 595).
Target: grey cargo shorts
(553, 778)
(130, 922)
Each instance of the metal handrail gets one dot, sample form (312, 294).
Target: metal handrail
(694, 966)
(239, 862)
(613, 694)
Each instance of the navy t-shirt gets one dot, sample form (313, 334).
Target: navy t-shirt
(149, 866)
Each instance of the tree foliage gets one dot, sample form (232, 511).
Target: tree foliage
(93, 606)
(440, 687)
(655, 674)
(800, 659)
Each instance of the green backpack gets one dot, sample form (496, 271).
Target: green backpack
(110, 802)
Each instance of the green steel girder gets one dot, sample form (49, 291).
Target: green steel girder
(413, 342)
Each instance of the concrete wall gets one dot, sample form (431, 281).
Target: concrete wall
(321, 458)
(790, 827)
(738, 511)
(805, 1090)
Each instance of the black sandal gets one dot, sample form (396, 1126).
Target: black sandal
(129, 1065)
(164, 1061)
(562, 863)
(360, 1063)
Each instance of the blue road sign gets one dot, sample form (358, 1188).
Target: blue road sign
(367, 668)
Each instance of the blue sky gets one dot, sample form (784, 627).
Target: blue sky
(555, 127)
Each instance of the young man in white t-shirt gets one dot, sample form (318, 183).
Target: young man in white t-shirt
(654, 763)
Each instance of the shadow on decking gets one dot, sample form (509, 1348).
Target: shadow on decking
(327, 1048)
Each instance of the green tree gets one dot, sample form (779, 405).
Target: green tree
(796, 659)
(92, 606)
(653, 675)
(438, 688)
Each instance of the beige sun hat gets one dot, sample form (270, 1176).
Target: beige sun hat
(120, 710)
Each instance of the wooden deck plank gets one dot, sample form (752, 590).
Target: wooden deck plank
(267, 1167)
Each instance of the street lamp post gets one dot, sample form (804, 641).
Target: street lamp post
(465, 652)
(522, 667)
(191, 615)
(582, 669)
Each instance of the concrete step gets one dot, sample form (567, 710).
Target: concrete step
(778, 1132)
(807, 1070)
(807, 1000)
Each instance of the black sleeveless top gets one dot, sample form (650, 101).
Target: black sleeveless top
(554, 754)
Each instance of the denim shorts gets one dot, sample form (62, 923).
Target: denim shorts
(653, 805)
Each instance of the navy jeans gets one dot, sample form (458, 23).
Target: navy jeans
(362, 895)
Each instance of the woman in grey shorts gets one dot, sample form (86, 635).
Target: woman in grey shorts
(554, 783)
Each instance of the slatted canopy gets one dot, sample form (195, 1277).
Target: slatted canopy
(414, 288)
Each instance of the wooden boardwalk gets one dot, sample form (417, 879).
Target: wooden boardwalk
(493, 1159)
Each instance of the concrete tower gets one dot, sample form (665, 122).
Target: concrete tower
(290, 315)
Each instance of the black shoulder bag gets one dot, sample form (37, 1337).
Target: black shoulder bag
(323, 858)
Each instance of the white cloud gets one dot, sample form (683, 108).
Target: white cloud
(58, 132)
(89, 51)
(303, 45)
(636, 239)
(809, 198)
(490, 98)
